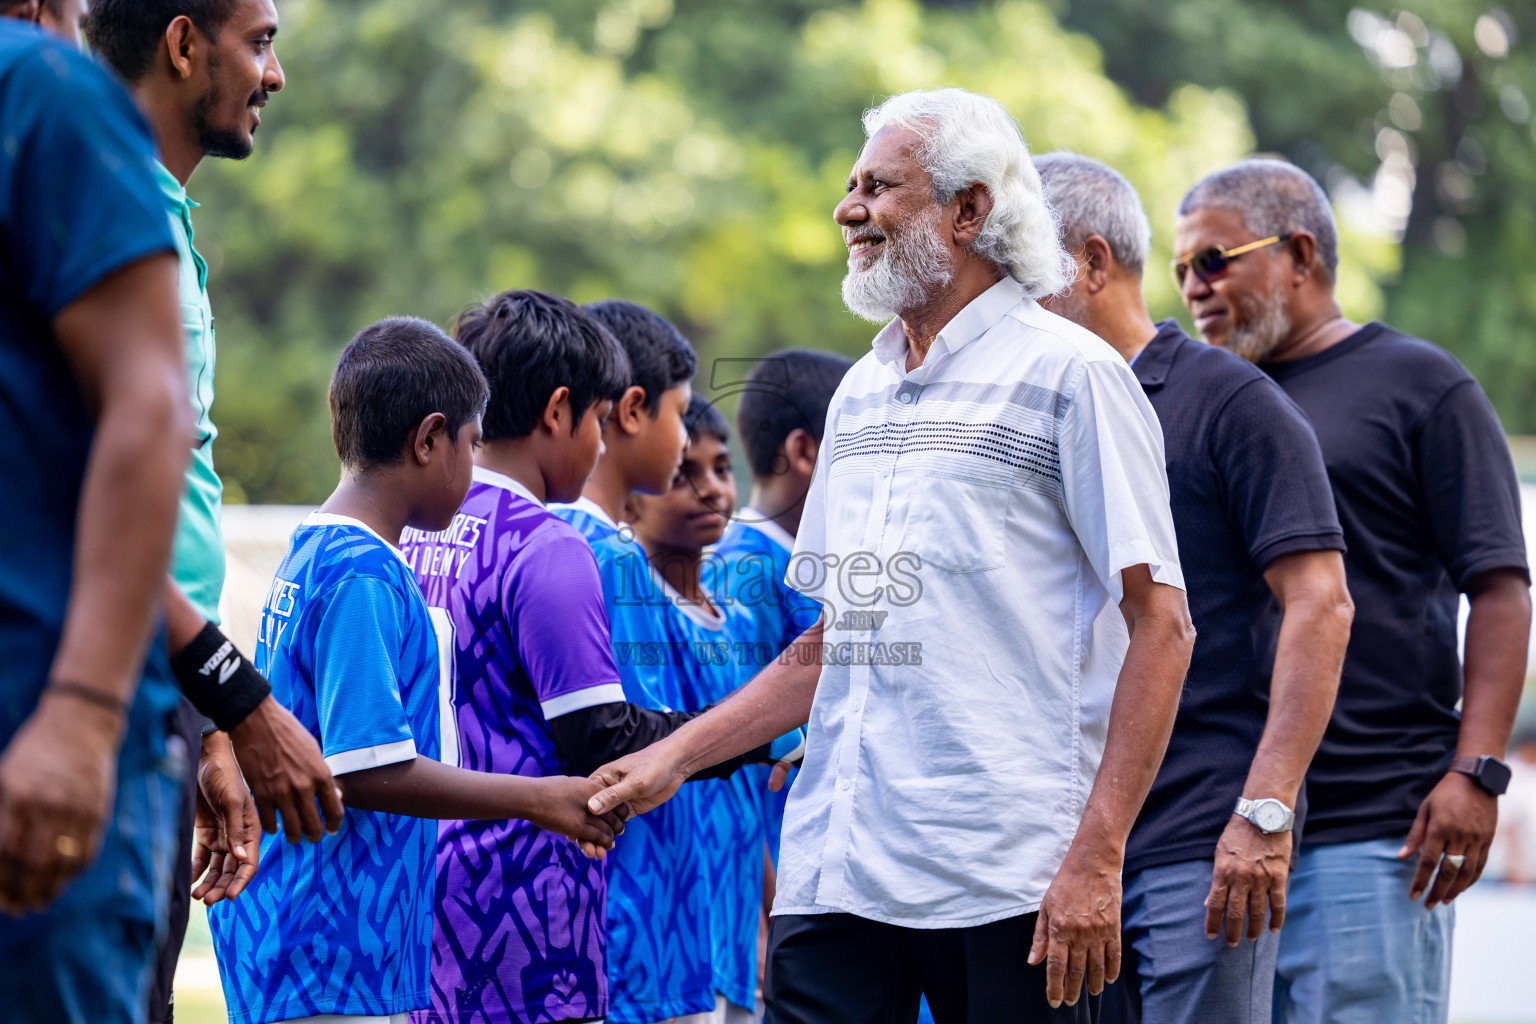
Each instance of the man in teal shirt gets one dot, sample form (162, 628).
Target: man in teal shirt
(201, 71)
(197, 562)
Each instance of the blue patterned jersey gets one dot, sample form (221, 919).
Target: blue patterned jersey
(659, 934)
(343, 926)
(727, 648)
(589, 519)
(757, 552)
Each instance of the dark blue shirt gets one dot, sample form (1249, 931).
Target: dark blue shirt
(1427, 494)
(78, 201)
(1247, 485)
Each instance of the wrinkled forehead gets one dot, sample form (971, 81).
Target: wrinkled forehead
(890, 152)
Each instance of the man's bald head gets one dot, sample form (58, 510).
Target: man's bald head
(1273, 197)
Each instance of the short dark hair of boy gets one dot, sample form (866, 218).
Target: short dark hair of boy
(529, 343)
(127, 33)
(390, 377)
(660, 358)
(703, 419)
(788, 390)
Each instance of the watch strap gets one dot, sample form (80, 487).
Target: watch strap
(1477, 768)
(1466, 765)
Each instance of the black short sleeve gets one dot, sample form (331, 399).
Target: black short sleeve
(1277, 489)
(1471, 494)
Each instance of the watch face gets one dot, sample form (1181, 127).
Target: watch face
(1494, 775)
(1269, 816)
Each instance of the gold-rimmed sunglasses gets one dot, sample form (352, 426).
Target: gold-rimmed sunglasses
(1210, 264)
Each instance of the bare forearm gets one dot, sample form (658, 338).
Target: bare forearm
(777, 700)
(1140, 722)
(1498, 632)
(424, 788)
(1308, 659)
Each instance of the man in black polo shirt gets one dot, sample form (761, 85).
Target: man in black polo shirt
(1402, 792)
(1251, 506)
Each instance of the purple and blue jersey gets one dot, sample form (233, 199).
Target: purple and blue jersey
(342, 926)
(519, 934)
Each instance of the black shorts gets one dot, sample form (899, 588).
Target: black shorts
(842, 969)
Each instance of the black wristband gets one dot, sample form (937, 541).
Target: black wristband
(218, 680)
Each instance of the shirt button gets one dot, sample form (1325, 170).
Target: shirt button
(905, 398)
(845, 785)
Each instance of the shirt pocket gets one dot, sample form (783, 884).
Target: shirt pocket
(957, 525)
(850, 505)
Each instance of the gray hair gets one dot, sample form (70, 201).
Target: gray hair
(1092, 198)
(1273, 197)
(964, 139)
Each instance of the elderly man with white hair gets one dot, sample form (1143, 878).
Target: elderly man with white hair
(981, 737)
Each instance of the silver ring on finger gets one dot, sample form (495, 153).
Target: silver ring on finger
(1456, 860)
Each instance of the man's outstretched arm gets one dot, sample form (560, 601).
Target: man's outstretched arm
(777, 700)
(1078, 932)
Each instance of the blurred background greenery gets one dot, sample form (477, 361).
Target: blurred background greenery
(687, 154)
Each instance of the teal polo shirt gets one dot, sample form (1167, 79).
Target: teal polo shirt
(197, 560)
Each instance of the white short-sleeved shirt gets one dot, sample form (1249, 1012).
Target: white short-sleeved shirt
(968, 523)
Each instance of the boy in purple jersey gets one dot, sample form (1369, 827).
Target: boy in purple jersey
(643, 434)
(519, 934)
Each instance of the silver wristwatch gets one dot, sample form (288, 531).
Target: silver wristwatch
(1268, 815)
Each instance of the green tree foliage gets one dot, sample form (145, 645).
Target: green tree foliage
(1420, 116)
(684, 154)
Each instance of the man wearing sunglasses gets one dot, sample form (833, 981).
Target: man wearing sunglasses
(1402, 792)
(1254, 516)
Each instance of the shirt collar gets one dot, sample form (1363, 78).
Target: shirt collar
(491, 478)
(593, 509)
(1152, 365)
(978, 317)
(318, 518)
(173, 189)
(752, 519)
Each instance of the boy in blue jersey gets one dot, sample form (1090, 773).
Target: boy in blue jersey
(780, 420)
(709, 642)
(643, 435)
(344, 927)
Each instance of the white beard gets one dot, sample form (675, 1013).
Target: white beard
(913, 266)
(1268, 324)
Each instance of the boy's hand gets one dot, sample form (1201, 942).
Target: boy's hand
(562, 808)
(282, 764)
(227, 832)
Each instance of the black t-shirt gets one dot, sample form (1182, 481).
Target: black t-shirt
(1427, 495)
(1247, 485)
